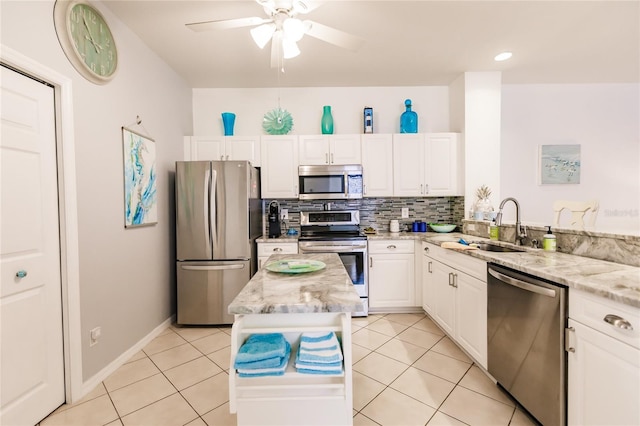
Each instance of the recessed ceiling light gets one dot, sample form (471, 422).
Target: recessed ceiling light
(503, 56)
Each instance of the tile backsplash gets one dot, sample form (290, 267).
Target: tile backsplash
(377, 212)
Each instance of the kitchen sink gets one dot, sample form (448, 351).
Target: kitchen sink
(497, 248)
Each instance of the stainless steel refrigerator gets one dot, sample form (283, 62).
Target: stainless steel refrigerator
(218, 218)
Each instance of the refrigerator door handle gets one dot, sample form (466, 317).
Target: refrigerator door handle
(205, 205)
(213, 214)
(212, 267)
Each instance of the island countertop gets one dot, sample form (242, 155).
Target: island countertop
(327, 290)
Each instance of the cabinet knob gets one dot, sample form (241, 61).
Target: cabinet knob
(426, 249)
(617, 321)
(277, 249)
(21, 273)
(391, 247)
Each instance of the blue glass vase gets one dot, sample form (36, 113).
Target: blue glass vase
(327, 121)
(228, 120)
(408, 119)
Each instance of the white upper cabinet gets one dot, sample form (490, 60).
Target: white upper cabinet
(221, 148)
(279, 172)
(408, 165)
(427, 164)
(377, 165)
(329, 149)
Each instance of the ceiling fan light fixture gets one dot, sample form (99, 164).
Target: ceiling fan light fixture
(289, 48)
(262, 34)
(299, 6)
(503, 56)
(293, 29)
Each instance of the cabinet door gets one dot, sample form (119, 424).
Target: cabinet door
(391, 280)
(408, 165)
(344, 149)
(204, 148)
(441, 164)
(428, 285)
(314, 149)
(377, 165)
(445, 296)
(471, 316)
(604, 380)
(279, 173)
(243, 149)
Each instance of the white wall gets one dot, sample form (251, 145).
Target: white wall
(305, 105)
(126, 276)
(604, 120)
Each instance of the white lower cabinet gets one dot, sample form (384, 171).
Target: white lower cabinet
(604, 361)
(294, 398)
(267, 249)
(391, 274)
(455, 296)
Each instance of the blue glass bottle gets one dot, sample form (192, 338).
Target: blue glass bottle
(327, 121)
(408, 119)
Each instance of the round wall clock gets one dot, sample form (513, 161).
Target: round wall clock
(86, 39)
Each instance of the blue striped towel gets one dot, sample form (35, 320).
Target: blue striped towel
(275, 371)
(318, 367)
(260, 347)
(319, 348)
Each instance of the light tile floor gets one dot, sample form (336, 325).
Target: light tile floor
(405, 372)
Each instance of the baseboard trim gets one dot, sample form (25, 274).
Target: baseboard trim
(101, 375)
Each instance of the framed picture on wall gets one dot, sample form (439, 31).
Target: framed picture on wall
(140, 196)
(559, 164)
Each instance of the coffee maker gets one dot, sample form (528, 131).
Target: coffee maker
(274, 220)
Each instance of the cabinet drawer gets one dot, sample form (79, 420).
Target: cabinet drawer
(267, 249)
(591, 310)
(391, 246)
(462, 262)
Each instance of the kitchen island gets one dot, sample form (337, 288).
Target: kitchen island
(294, 303)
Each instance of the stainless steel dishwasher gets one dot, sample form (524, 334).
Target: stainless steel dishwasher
(526, 322)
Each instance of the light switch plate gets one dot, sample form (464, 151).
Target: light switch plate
(284, 214)
(405, 212)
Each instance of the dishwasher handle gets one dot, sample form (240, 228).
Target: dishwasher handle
(522, 284)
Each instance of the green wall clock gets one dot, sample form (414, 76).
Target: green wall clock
(86, 39)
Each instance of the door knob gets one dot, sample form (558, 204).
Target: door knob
(21, 273)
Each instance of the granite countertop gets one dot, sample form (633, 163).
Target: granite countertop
(614, 281)
(327, 290)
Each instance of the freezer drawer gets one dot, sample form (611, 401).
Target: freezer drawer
(205, 290)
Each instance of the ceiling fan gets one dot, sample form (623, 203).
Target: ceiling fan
(284, 29)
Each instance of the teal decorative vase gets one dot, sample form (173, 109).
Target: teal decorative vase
(228, 120)
(327, 121)
(408, 119)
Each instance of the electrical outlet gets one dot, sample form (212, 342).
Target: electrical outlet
(95, 335)
(284, 214)
(405, 212)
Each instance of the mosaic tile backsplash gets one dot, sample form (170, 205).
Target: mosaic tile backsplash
(377, 212)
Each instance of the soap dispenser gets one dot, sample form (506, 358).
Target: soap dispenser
(549, 241)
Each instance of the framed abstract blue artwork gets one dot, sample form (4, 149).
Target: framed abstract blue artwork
(559, 164)
(140, 196)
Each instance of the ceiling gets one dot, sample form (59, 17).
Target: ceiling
(408, 43)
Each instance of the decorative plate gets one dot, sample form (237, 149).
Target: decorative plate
(295, 266)
(278, 121)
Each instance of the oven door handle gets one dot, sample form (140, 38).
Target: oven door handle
(333, 249)
(522, 284)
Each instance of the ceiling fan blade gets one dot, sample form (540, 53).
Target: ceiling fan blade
(333, 36)
(226, 24)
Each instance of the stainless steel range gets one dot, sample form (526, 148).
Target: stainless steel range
(333, 231)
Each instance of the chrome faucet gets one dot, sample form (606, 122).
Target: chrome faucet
(521, 231)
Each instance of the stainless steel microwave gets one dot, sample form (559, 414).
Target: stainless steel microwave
(330, 182)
